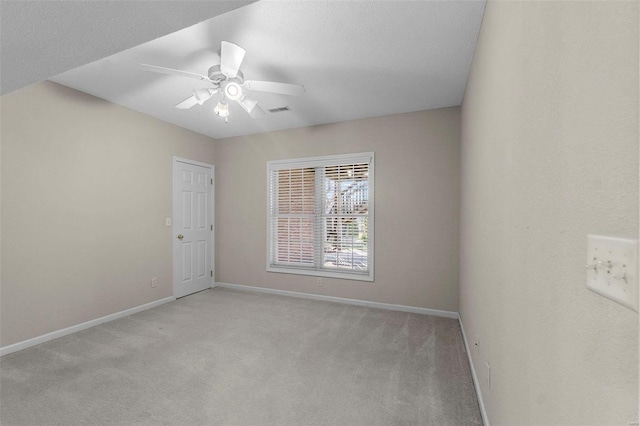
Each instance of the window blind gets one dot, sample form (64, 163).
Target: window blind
(320, 216)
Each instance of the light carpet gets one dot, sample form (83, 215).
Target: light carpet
(226, 357)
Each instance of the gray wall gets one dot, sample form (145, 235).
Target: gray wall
(550, 154)
(416, 211)
(86, 186)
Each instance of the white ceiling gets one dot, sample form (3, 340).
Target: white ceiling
(355, 59)
(42, 38)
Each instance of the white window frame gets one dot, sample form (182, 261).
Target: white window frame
(328, 160)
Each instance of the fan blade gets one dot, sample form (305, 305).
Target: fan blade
(231, 56)
(203, 95)
(251, 106)
(247, 103)
(171, 71)
(273, 87)
(199, 97)
(187, 103)
(256, 112)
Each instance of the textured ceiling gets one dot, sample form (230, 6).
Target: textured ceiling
(355, 59)
(40, 39)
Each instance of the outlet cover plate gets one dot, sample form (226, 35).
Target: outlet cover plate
(612, 268)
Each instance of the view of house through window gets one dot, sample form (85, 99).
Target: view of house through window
(321, 217)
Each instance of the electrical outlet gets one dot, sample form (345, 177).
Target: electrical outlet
(488, 375)
(154, 282)
(167, 221)
(319, 282)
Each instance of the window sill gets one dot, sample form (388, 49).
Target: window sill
(323, 274)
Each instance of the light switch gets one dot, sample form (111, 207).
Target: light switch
(167, 221)
(612, 268)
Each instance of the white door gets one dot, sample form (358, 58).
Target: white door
(192, 227)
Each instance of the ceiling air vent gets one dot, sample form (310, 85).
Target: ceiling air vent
(281, 109)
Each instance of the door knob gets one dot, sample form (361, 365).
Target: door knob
(180, 236)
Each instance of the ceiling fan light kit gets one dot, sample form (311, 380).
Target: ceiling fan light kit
(222, 110)
(233, 91)
(228, 80)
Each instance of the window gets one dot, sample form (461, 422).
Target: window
(320, 216)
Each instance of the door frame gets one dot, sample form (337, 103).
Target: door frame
(174, 209)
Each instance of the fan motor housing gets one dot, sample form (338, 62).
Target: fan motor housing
(218, 77)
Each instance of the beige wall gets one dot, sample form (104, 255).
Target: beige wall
(550, 154)
(86, 186)
(416, 210)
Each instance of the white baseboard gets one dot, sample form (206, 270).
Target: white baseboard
(476, 383)
(5, 350)
(378, 305)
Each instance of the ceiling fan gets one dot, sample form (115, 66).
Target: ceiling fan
(228, 80)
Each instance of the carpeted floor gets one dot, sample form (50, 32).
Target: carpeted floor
(224, 357)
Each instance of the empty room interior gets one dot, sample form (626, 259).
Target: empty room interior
(319, 213)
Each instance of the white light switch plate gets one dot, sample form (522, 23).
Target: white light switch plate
(612, 268)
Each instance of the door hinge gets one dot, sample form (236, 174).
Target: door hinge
(211, 273)
(212, 227)
(211, 181)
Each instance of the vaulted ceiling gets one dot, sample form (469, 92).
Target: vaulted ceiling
(42, 38)
(355, 60)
